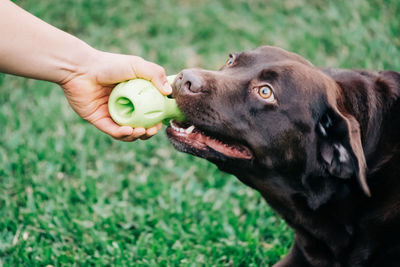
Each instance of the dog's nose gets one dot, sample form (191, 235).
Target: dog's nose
(191, 81)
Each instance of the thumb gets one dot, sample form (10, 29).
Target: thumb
(162, 84)
(154, 73)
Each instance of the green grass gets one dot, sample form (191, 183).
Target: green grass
(72, 196)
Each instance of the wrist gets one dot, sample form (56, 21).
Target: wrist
(77, 63)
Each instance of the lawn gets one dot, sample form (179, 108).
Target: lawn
(72, 196)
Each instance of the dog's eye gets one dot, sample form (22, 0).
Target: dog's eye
(229, 62)
(266, 93)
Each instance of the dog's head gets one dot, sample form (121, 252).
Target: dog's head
(271, 118)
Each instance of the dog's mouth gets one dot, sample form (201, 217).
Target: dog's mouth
(188, 138)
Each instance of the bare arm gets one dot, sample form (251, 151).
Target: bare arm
(31, 48)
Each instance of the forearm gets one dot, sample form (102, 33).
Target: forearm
(32, 48)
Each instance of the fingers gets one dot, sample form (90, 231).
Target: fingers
(141, 133)
(154, 73)
(136, 133)
(125, 133)
(151, 131)
(108, 126)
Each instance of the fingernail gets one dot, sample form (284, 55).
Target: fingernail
(151, 131)
(139, 131)
(167, 88)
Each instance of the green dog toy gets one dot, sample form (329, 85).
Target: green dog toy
(137, 103)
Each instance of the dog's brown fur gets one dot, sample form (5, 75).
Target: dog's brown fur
(325, 156)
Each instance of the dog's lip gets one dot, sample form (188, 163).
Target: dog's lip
(193, 137)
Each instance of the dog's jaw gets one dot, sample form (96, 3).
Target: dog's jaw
(198, 143)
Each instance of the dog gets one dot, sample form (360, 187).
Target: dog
(321, 145)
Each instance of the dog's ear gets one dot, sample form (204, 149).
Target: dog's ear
(342, 155)
(339, 132)
(389, 83)
(340, 146)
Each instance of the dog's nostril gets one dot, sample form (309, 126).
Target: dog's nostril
(188, 85)
(191, 81)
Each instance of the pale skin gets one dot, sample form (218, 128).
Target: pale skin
(31, 48)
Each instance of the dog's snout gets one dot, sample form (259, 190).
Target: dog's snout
(191, 81)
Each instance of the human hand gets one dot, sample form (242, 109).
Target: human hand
(88, 88)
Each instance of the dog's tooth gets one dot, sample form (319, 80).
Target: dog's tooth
(190, 129)
(173, 124)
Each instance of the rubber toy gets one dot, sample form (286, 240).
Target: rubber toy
(138, 103)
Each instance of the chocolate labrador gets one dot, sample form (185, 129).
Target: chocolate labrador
(320, 145)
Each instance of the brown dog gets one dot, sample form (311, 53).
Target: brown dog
(321, 145)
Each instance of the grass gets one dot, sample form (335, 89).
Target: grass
(71, 196)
